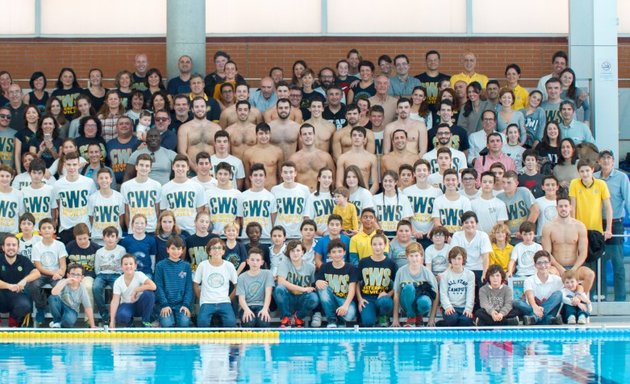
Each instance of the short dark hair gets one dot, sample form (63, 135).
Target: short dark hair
(335, 243)
(175, 241)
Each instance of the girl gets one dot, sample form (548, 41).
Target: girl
(501, 247)
(196, 244)
(46, 143)
(420, 107)
(123, 86)
(38, 96)
(141, 245)
(512, 146)
(495, 300)
(457, 291)
(235, 251)
(84, 108)
(391, 205)
(132, 295)
(295, 294)
(308, 230)
(566, 169)
(54, 108)
(67, 90)
(549, 145)
(320, 203)
(374, 293)
(470, 118)
(400, 243)
(360, 196)
(507, 116)
(5, 83)
(95, 88)
(415, 289)
(535, 118)
(575, 94)
(166, 227)
(24, 136)
(67, 146)
(109, 114)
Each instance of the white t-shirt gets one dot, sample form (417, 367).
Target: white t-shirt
(458, 160)
(319, 208)
(183, 199)
(38, 201)
(24, 180)
(215, 282)
(142, 198)
(543, 291)
(105, 212)
(72, 199)
(524, 257)
(108, 261)
(479, 245)
(437, 258)
(238, 170)
(258, 207)
(548, 213)
(225, 206)
(436, 180)
(207, 185)
(361, 198)
(54, 166)
(422, 206)
(26, 246)
(126, 291)
(49, 255)
(450, 212)
(291, 202)
(390, 210)
(472, 197)
(489, 212)
(11, 208)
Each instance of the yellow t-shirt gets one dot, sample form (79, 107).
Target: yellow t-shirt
(501, 256)
(361, 244)
(589, 202)
(520, 98)
(478, 77)
(349, 215)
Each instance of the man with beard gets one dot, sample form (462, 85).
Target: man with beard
(284, 132)
(327, 80)
(282, 90)
(197, 135)
(335, 111)
(444, 136)
(416, 130)
(242, 131)
(324, 129)
(342, 139)
(229, 115)
(400, 154)
(161, 157)
(309, 160)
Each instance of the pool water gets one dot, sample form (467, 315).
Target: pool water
(322, 358)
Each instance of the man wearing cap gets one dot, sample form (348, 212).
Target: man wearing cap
(619, 188)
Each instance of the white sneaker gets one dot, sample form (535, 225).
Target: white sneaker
(54, 325)
(571, 319)
(316, 320)
(581, 319)
(331, 325)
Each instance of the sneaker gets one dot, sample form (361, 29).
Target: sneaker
(316, 320)
(529, 320)
(581, 319)
(54, 324)
(147, 324)
(571, 319)
(411, 322)
(331, 325)
(299, 323)
(383, 321)
(285, 322)
(512, 321)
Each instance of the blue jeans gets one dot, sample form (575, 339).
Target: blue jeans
(457, 319)
(256, 322)
(614, 253)
(102, 281)
(223, 310)
(414, 306)
(142, 307)
(17, 304)
(572, 310)
(61, 312)
(330, 302)
(376, 307)
(288, 303)
(176, 318)
(550, 306)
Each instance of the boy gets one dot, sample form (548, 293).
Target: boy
(277, 249)
(106, 207)
(334, 232)
(10, 201)
(291, 198)
(457, 291)
(253, 231)
(523, 252)
(406, 179)
(530, 178)
(336, 283)
(196, 244)
(173, 278)
(224, 201)
(38, 197)
(254, 290)
(142, 246)
(421, 196)
(360, 244)
(132, 295)
(82, 251)
(204, 171)
(469, 184)
(107, 269)
(448, 208)
(70, 198)
(49, 257)
(66, 299)
(259, 205)
(488, 208)
(222, 155)
(577, 305)
(520, 203)
(142, 194)
(27, 236)
(436, 255)
(444, 162)
(499, 171)
(212, 286)
(346, 210)
(547, 203)
(588, 197)
(23, 179)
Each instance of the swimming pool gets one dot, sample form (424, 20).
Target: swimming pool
(337, 356)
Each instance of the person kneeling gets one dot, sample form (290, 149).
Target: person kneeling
(254, 289)
(173, 278)
(66, 299)
(495, 300)
(133, 295)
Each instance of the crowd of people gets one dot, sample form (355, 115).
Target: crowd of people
(346, 195)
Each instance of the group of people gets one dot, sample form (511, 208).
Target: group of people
(363, 197)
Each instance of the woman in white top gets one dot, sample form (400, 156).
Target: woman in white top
(360, 196)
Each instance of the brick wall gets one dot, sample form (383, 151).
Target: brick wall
(256, 55)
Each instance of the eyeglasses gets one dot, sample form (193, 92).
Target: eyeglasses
(162, 119)
(7, 117)
(217, 248)
(438, 235)
(76, 275)
(542, 263)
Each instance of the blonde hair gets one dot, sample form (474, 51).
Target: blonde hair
(500, 228)
(414, 247)
(233, 224)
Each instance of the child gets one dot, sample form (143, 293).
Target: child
(37, 197)
(308, 229)
(28, 237)
(499, 171)
(415, 289)
(320, 204)
(449, 207)
(469, 188)
(334, 232)
(336, 285)
(488, 208)
(277, 249)
(294, 294)
(10, 201)
(436, 255)
(141, 245)
(377, 273)
(290, 197)
(530, 178)
(144, 124)
(495, 300)
(512, 146)
(224, 201)
(82, 251)
(391, 205)
(132, 295)
(421, 195)
(520, 203)
(235, 251)
(165, 228)
(457, 291)
(254, 232)
(196, 244)
(523, 253)
(106, 207)
(107, 269)
(49, 257)
(406, 178)
(547, 203)
(347, 211)
(142, 194)
(67, 297)
(576, 304)
(398, 246)
(254, 291)
(212, 286)
(501, 247)
(173, 278)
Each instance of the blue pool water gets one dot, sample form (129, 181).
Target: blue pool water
(325, 357)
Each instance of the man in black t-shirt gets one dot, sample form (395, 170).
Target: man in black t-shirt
(431, 78)
(335, 111)
(137, 78)
(15, 273)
